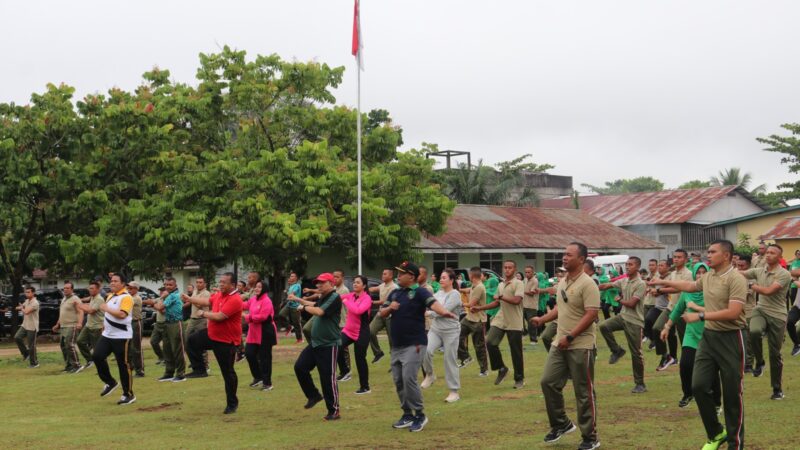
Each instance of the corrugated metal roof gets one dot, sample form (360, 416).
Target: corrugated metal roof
(648, 208)
(484, 227)
(788, 228)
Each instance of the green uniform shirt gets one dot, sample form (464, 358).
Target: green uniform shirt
(631, 289)
(772, 305)
(95, 321)
(325, 330)
(694, 330)
(719, 289)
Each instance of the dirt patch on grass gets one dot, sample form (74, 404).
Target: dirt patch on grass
(161, 407)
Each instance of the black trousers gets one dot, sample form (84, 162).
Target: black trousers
(649, 321)
(225, 354)
(360, 346)
(687, 369)
(259, 358)
(324, 360)
(119, 347)
(791, 324)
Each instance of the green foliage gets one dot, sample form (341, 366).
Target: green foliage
(735, 177)
(744, 246)
(627, 186)
(695, 184)
(789, 146)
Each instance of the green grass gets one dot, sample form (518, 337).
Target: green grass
(46, 409)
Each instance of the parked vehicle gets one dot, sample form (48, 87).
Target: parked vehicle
(608, 262)
(464, 272)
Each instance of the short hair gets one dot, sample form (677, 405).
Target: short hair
(680, 250)
(423, 268)
(653, 260)
(390, 269)
(746, 261)
(231, 277)
(475, 271)
(170, 279)
(69, 283)
(95, 283)
(530, 267)
(590, 264)
(511, 261)
(637, 259)
(339, 270)
(726, 245)
(30, 288)
(582, 249)
(200, 277)
(777, 246)
(294, 272)
(120, 276)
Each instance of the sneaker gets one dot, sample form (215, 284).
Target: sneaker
(256, 383)
(759, 370)
(532, 343)
(639, 389)
(332, 416)
(556, 433)
(239, 356)
(107, 389)
(405, 421)
(427, 381)
(589, 445)
(796, 350)
(651, 346)
(178, 379)
(665, 363)
(139, 374)
(344, 377)
(464, 362)
(311, 402)
(519, 384)
(377, 358)
(363, 391)
(126, 400)
(79, 369)
(160, 362)
(88, 364)
(166, 378)
(33, 366)
(716, 442)
(616, 356)
(25, 358)
(484, 374)
(685, 401)
(72, 370)
(194, 374)
(288, 331)
(777, 395)
(748, 368)
(501, 375)
(419, 423)
(452, 397)
(230, 409)
(266, 388)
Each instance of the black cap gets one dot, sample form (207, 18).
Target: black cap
(408, 267)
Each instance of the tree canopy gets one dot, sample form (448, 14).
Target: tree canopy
(789, 147)
(627, 186)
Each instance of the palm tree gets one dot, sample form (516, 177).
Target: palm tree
(483, 185)
(735, 177)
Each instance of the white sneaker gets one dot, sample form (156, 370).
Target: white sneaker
(452, 397)
(428, 381)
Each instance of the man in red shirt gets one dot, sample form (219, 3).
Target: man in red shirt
(223, 336)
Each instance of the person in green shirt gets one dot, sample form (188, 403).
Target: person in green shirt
(491, 283)
(435, 283)
(692, 302)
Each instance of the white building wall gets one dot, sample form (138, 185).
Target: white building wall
(729, 207)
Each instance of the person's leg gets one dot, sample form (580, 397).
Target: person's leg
(31, 337)
(463, 336)
(554, 377)
(62, 343)
(633, 334)
(194, 326)
(434, 342)
(528, 314)
(493, 339)
(20, 337)
(680, 329)
(265, 361)
(294, 321)
(411, 365)
(658, 325)
(451, 372)
(791, 324)
(606, 309)
(360, 350)
(375, 326)
(226, 357)
(686, 370)
(306, 362)
(397, 360)
(514, 338)
(120, 349)
(776, 330)
(730, 351)
(99, 356)
(170, 348)
(758, 327)
(135, 359)
(580, 363)
(85, 344)
(180, 350)
(198, 343)
(156, 337)
(326, 366)
(549, 334)
(343, 359)
(607, 329)
(251, 354)
(307, 329)
(705, 370)
(479, 343)
(71, 339)
(650, 319)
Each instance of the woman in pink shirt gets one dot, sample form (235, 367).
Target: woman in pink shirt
(356, 328)
(261, 337)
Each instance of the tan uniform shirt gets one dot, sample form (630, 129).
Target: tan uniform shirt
(581, 294)
(95, 321)
(478, 294)
(719, 289)
(67, 312)
(205, 295)
(342, 290)
(384, 289)
(632, 289)
(758, 261)
(682, 274)
(531, 301)
(30, 321)
(136, 312)
(510, 316)
(750, 304)
(649, 299)
(772, 305)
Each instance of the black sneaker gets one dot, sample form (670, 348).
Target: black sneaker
(332, 416)
(178, 379)
(759, 370)
(311, 402)
(420, 420)
(377, 358)
(796, 350)
(139, 374)
(777, 395)
(589, 445)
(464, 362)
(160, 362)
(405, 421)
(639, 389)
(266, 388)
(616, 356)
(230, 409)
(197, 375)
(363, 391)
(685, 401)
(126, 400)
(166, 378)
(33, 366)
(344, 377)
(239, 357)
(748, 368)
(109, 388)
(256, 383)
(501, 375)
(556, 433)
(666, 362)
(88, 364)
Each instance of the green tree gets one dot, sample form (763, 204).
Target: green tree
(695, 184)
(789, 147)
(627, 186)
(735, 177)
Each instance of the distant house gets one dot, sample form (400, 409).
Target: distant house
(756, 225)
(677, 218)
(785, 233)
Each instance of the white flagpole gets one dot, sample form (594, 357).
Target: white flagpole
(358, 135)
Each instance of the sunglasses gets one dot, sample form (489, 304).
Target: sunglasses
(564, 296)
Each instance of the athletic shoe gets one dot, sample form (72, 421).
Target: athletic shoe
(66, 369)
(651, 346)
(266, 388)
(685, 401)
(363, 391)
(73, 370)
(344, 377)
(88, 364)
(519, 384)
(405, 421)
(25, 358)
(759, 370)
(194, 374)
(452, 397)
(796, 350)
(484, 374)
(501, 375)
(639, 389)
(716, 442)
(299, 341)
(464, 362)
(615, 356)
(160, 362)
(428, 381)
(230, 409)
(332, 416)
(777, 395)
(256, 383)
(126, 400)
(556, 433)
(166, 378)
(139, 374)
(178, 379)
(419, 423)
(589, 445)
(532, 343)
(748, 368)
(288, 331)
(665, 363)
(79, 369)
(377, 358)
(239, 356)
(311, 402)
(33, 366)
(107, 389)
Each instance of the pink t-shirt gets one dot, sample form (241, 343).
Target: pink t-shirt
(356, 307)
(261, 309)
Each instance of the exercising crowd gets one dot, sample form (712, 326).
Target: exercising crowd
(716, 311)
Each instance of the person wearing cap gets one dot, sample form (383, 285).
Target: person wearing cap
(407, 305)
(135, 357)
(322, 350)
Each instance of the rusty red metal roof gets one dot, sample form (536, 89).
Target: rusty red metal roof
(788, 228)
(650, 208)
(531, 229)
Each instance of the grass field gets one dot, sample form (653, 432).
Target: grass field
(43, 408)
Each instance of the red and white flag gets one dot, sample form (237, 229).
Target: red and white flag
(358, 37)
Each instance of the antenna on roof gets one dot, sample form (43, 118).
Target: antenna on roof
(447, 154)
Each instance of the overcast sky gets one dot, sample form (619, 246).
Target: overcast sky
(600, 89)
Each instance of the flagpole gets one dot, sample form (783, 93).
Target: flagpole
(358, 135)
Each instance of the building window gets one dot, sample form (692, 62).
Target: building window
(551, 261)
(493, 261)
(442, 261)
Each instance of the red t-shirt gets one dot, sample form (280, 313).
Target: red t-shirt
(229, 330)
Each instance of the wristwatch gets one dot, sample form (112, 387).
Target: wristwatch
(703, 316)
(570, 338)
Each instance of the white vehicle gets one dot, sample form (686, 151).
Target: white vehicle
(608, 262)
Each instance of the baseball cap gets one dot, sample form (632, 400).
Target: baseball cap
(408, 267)
(323, 277)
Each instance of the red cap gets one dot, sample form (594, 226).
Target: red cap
(327, 276)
